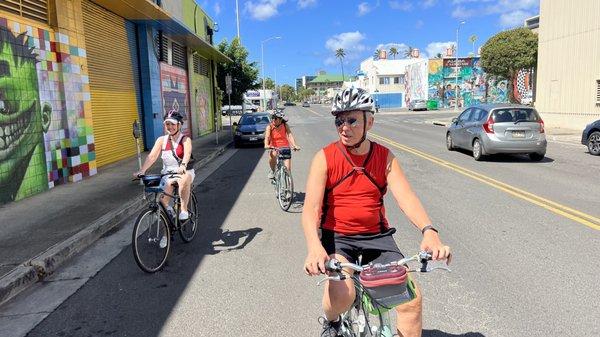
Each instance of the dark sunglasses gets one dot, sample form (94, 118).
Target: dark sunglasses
(350, 121)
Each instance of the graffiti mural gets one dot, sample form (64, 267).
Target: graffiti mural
(174, 87)
(45, 138)
(465, 84)
(523, 86)
(416, 81)
(202, 115)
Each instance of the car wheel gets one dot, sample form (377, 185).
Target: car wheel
(236, 144)
(477, 150)
(449, 144)
(594, 143)
(536, 156)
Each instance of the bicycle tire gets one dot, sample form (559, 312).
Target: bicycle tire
(143, 236)
(285, 189)
(188, 229)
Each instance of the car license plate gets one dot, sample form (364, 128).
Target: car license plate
(256, 138)
(518, 134)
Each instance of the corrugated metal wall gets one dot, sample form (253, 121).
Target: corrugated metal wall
(112, 83)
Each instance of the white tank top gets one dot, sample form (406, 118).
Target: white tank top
(170, 162)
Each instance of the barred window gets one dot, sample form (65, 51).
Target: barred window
(597, 91)
(162, 47)
(31, 9)
(200, 65)
(179, 56)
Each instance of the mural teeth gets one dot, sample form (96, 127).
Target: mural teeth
(2, 143)
(1, 131)
(1, 105)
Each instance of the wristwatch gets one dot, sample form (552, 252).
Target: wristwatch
(428, 227)
(182, 163)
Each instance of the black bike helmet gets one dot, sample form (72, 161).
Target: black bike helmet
(174, 117)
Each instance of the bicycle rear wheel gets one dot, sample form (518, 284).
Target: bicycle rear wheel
(188, 228)
(151, 240)
(285, 189)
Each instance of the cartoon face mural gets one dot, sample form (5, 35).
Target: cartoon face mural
(23, 119)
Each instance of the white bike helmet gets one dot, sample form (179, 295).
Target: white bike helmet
(351, 99)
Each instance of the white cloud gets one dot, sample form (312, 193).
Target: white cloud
(462, 12)
(306, 3)
(434, 48)
(351, 42)
(513, 19)
(419, 24)
(401, 5)
(217, 8)
(263, 9)
(428, 3)
(401, 47)
(364, 8)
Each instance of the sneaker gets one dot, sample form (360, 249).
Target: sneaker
(330, 329)
(183, 215)
(271, 175)
(163, 242)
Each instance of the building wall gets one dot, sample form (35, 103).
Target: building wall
(48, 87)
(174, 89)
(568, 63)
(201, 100)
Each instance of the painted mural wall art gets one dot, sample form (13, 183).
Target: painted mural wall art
(523, 86)
(174, 88)
(42, 116)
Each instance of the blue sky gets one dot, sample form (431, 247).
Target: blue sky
(311, 30)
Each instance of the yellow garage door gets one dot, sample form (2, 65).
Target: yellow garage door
(113, 96)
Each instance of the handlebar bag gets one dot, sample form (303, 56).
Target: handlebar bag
(386, 286)
(285, 153)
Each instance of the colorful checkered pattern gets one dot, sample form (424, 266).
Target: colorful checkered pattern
(63, 84)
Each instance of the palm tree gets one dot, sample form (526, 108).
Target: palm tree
(394, 52)
(408, 52)
(340, 53)
(472, 39)
(376, 54)
(438, 55)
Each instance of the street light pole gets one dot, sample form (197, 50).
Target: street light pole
(262, 62)
(456, 69)
(237, 15)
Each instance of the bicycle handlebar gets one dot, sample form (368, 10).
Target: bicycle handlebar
(422, 257)
(168, 173)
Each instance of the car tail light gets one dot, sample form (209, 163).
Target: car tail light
(541, 126)
(488, 126)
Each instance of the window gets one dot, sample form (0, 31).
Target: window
(179, 56)
(200, 65)
(465, 115)
(597, 91)
(31, 9)
(397, 80)
(384, 80)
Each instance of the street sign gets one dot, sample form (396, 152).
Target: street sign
(228, 84)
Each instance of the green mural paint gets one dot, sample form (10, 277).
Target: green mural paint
(23, 121)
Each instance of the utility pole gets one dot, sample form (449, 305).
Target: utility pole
(237, 15)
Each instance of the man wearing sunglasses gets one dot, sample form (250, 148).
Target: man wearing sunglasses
(344, 198)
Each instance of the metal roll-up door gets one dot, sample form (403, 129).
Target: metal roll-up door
(112, 86)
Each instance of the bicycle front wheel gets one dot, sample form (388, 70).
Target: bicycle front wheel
(285, 189)
(188, 228)
(151, 240)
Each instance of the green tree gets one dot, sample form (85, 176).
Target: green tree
(438, 56)
(408, 52)
(394, 52)
(243, 73)
(376, 54)
(306, 93)
(287, 92)
(340, 53)
(269, 84)
(505, 53)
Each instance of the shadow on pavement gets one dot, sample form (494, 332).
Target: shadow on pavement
(438, 333)
(298, 203)
(121, 300)
(507, 158)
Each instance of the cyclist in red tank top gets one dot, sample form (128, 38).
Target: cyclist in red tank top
(344, 198)
(279, 135)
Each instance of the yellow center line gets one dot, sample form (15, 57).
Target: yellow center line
(575, 215)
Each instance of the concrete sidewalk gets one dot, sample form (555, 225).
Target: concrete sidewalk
(41, 232)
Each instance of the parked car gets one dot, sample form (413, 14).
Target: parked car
(251, 128)
(591, 137)
(417, 104)
(305, 105)
(498, 128)
(289, 104)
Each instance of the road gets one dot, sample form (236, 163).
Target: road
(525, 237)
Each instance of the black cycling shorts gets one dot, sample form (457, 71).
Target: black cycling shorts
(379, 247)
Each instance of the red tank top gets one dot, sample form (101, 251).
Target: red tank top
(279, 136)
(353, 200)
(178, 149)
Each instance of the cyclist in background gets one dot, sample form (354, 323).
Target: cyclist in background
(279, 135)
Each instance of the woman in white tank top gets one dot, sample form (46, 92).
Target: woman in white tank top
(175, 151)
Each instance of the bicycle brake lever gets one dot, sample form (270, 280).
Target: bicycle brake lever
(429, 268)
(330, 278)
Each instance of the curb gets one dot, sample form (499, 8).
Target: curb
(36, 269)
